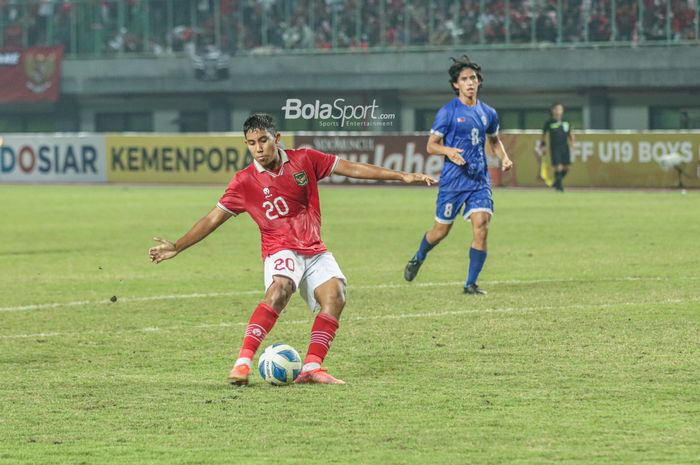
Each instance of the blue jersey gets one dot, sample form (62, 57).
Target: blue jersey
(465, 127)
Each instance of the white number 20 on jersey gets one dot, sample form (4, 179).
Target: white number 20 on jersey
(278, 207)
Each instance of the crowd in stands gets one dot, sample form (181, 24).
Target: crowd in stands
(169, 26)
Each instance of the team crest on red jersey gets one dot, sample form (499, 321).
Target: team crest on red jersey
(301, 178)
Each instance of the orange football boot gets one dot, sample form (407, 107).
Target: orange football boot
(239, 375)
(317, 376)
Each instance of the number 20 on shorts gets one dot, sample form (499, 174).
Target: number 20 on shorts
(284, 263)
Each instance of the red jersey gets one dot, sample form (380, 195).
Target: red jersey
(284, 204)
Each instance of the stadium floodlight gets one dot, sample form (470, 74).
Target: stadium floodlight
(673, 160)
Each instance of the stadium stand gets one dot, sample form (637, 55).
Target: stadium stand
(204, 65)
(158, 27)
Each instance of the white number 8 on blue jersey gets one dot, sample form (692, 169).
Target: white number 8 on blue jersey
(475, 136)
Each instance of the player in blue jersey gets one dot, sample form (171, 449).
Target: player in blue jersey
(460, 130)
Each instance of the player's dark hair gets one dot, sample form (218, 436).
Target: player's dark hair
(459, 64)
(555, 104)
(261, 121)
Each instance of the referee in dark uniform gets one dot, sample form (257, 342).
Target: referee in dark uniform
(560, 138)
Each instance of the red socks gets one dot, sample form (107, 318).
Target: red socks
(261, 322)
(322, 334)
(264, 318)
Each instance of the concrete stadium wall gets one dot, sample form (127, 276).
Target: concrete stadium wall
(527, 70)
(615, 88)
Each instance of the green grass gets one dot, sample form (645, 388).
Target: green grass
(585, 351)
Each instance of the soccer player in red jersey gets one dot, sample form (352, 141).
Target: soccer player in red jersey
(279, 190)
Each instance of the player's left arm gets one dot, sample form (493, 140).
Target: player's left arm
(571, 137)
(366, 171)
(500, 151)
(496, 145)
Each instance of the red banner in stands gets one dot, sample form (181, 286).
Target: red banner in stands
(30, 74)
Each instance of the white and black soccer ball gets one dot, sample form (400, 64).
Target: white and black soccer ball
(279, 364)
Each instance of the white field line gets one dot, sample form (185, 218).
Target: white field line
(351, 319)
(80, 303)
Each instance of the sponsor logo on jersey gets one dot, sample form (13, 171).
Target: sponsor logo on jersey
(301, 178)
(461, 119)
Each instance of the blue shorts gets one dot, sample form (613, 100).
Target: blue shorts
(449, 204)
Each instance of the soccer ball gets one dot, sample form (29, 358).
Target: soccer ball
(279, 364)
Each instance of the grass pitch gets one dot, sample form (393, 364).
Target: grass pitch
(585, 351)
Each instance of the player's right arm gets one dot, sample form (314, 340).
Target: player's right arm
(442, 126)
(201, 229)
(436, 147)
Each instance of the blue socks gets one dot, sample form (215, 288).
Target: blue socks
(477, 258)
(423, 249)
(476, 263)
